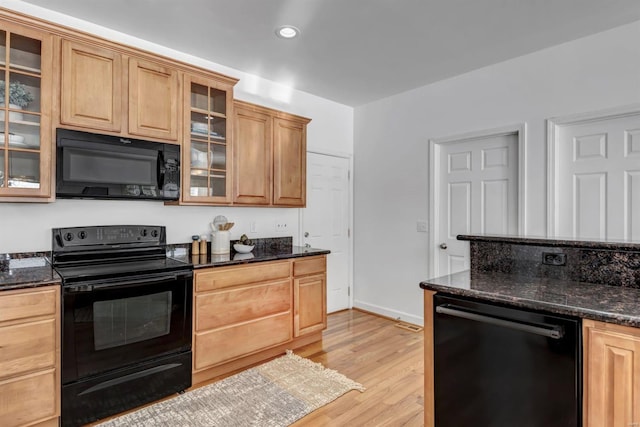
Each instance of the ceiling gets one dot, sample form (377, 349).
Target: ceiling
(354, 51)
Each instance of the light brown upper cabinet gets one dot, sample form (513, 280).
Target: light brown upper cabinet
(206, 149)
(100, 87)
(270, 156)
(153, 100)
(26, 70)
(252, 154)
(92, 87)
(289, 162)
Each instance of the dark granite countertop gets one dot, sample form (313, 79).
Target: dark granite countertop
(560, 242)
(259, 254)
(28, 272)
(606, 303)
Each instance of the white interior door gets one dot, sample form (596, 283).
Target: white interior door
(476, 192)
(597, 179)
(325, 222)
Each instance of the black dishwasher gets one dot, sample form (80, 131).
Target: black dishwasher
(496, 366)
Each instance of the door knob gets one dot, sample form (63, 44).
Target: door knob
(306, 234)
(443, 246)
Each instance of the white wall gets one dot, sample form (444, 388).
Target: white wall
(391, 149)
(27, 227)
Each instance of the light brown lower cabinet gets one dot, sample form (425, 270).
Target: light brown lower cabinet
(310, 295)
(245, 314)
(30, 357)
(611, 375)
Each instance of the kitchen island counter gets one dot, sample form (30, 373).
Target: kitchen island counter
(613, 304)
(596, 281)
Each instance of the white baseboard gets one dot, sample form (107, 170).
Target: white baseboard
(387, 312)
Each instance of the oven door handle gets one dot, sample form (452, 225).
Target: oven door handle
(119, 283)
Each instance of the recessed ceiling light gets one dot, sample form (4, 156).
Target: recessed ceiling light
(287, 32)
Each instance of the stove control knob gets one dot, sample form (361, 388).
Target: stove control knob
(68, 237)
(144, 232)
(82, 235)
(154, 233)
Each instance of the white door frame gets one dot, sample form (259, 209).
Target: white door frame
(349, 157)
(553, 139)
(520, 129)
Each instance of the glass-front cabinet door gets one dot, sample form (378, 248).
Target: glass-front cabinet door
(207, 141)
(25, 102)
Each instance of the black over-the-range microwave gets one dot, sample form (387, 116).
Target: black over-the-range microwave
(96, 166)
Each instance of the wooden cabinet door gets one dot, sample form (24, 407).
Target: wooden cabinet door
(310, 304)
(206, 148)
(289, 163)
(153, 100)
(26, 68)
(612, 375)
(251, 156)
(91, 91)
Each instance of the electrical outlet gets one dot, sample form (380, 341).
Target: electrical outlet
(557, 259)
(281, 227)
(252, 227)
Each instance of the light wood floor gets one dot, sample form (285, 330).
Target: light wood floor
(384, 358)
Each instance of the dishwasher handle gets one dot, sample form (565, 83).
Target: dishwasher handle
(550, 331)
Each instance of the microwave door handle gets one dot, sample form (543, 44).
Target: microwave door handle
(159, 171)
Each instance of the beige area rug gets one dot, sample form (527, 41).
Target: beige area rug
(274, 394)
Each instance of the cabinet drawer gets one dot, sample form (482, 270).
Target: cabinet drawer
(27, 347)
(223, 345)
(28, 399)
(225, 277)
(21, 305)
(226, 307)
(309, 266)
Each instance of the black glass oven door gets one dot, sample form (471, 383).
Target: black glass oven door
(112, 324)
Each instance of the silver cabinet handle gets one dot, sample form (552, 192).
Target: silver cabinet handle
(443, 246)
(306, 234)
